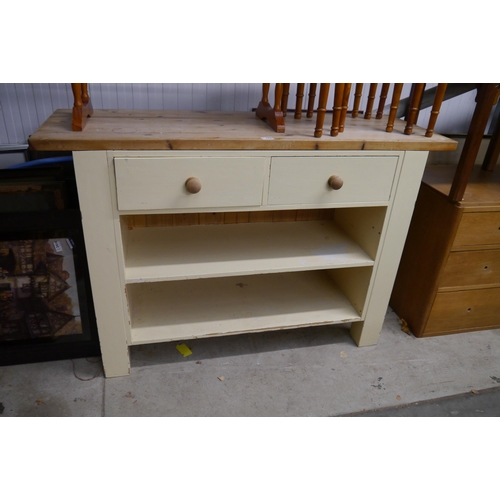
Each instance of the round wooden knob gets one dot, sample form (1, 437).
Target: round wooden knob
(335, 182)
(193, 185)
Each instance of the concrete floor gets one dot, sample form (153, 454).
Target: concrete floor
(297, 373)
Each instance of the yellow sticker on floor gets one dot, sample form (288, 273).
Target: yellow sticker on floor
(184, 349)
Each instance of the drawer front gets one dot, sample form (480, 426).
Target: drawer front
(478, 228)
(304, 180)
(160, 183)
(479, 267)
(464, 311)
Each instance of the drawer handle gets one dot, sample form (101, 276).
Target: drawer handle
(335, 182)
(193, 185)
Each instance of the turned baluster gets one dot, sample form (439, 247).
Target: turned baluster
(77, 95)
(345, 102)
(265, 93)
(396, 97)
(436, 106)
(371, 99)
(337, 108)
(324, 90)
(298, 102)
(416, 99)
(82, 107)
(278, 94)
(487, 94)
(358, 92)
(312, 96)
(273, 116)
(382, 99)
(284, 99)
(85, 94)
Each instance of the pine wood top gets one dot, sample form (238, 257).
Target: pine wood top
(200, 130)
(483, 188)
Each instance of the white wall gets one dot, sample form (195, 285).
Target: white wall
(25, 106)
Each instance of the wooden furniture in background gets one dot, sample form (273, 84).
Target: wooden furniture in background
(312, 97)
(449, 276)
(275, 234)
(274, 116)
(82, 106)
(414, 108)
(383, 97)
(396, 97)
(436, 106)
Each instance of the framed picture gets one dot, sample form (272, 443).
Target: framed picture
(46, 308)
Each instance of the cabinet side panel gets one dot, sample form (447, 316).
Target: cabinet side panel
(399, 215)
(93, 182)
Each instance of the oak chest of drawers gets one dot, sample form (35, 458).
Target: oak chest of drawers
(449, 277)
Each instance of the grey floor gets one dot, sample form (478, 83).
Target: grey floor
(297, 373)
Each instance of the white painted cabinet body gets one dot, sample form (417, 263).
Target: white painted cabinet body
(171, 283)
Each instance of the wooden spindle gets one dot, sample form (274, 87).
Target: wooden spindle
(345, 102)
(382, 99)
(396, 97)
(82, 106)
(436, 106)
(371, 99)
(85, 93)
(486, 96)
(284, 99)
(77, 95)
(312, 97)
(358, 92)
(324, 90)
(418, 103)
(337, 108)
(416, 99)
(278, 94)
(298, 101)
(265, 92)
(272, 115)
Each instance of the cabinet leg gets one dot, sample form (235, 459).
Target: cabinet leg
(365, 334)
(398, 219)
(98, 219)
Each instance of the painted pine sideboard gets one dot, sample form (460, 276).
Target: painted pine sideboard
(204, 224)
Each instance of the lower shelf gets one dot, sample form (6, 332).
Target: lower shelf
(178, 310)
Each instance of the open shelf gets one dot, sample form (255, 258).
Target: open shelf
(207, 251)
(175, 310)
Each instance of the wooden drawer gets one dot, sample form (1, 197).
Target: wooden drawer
(471, 268)
(159, 183)
(478, 228)
(304, 180)
(464, 311)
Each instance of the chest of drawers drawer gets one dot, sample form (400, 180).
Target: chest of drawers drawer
(161, 183)
(471, 268)
(478, 228)
(305, 180)
(464, 310)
